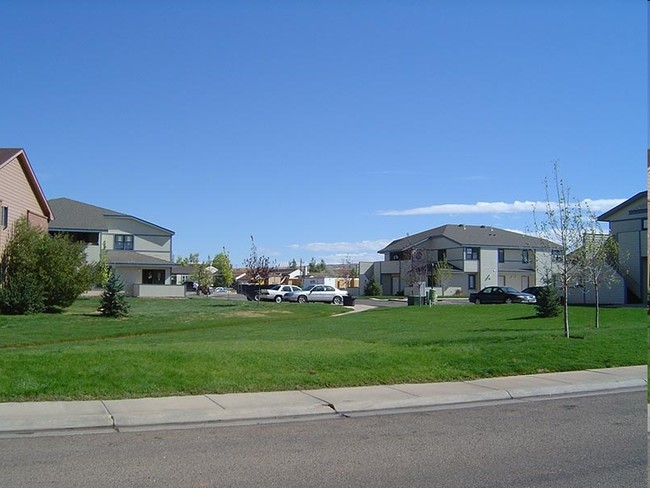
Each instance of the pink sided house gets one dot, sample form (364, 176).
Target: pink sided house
(20, 194)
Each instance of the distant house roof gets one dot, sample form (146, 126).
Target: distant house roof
(469, 235)
(178, 269)
(610, 213)
(9, 154)
(77, 216)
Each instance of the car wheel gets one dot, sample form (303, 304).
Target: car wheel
(508, 301)
(477, 301)
(278, 298)
(302, 299)
(337, 300)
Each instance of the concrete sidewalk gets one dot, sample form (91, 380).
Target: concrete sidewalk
(173, 412)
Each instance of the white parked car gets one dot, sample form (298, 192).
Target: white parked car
(276, 293)
(317, 293)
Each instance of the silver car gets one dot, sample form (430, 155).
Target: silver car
(277, 292)
(317, 293)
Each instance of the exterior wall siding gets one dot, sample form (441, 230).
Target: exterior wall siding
(17, 195)
(631, 256)
(626, 225)
(544, 268)
(130, 277)
(160, 291)
(456, 257)
(488, 268)
(129, 225)
(608, 295)
(92, 253)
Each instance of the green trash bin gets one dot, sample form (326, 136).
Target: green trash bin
(433, 296)
(417, 301)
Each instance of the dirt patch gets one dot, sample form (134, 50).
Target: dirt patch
(251, 314)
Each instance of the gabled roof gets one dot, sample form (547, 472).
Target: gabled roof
(470, 235)
(9, 154)
(78, 216)
(610, 213)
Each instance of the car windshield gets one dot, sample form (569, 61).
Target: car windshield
(276, 287)
(509, 289)
(308, 288)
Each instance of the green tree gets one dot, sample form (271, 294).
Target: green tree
(113, 302)
(225, 275)
(103, 269)
(372, 288)
(442, 273)
(548, 302)
(51, 270)
(315, 267)
(63, 271)
(192, 259)
(203, 276)
(597, 259)
(564, 224)
(293, 263)
(21, 295)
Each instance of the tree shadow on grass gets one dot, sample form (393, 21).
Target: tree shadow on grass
(528, 317)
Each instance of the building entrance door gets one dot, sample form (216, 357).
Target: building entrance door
(395, 285)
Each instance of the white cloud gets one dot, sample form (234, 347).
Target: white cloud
(477, 208)
(340, 252)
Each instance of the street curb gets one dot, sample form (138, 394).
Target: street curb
(57, 417)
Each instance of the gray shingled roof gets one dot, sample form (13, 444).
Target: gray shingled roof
(130, 258)
(470, 235)
(72, 215)
(8, 153)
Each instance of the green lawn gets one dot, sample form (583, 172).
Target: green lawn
(194, 346)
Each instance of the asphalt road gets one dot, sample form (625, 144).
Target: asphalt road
(588, 441)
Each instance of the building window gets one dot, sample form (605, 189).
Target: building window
(124, 242)
(4, 216)
(556, 255)
(502, 255)
(525, 258)
(153, 276)
(644, 224)
(442, 255)
(471, 282)
(471, 253)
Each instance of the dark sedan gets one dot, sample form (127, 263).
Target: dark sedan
(538, 290)
(501, 294)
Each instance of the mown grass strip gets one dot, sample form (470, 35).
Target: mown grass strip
(176, 347)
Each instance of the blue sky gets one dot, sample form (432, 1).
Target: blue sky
(326, 129)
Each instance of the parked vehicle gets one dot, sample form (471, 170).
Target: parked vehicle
(533, 290)
(536, 290)
(277, 292)
(501, 294)
(317, 293)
